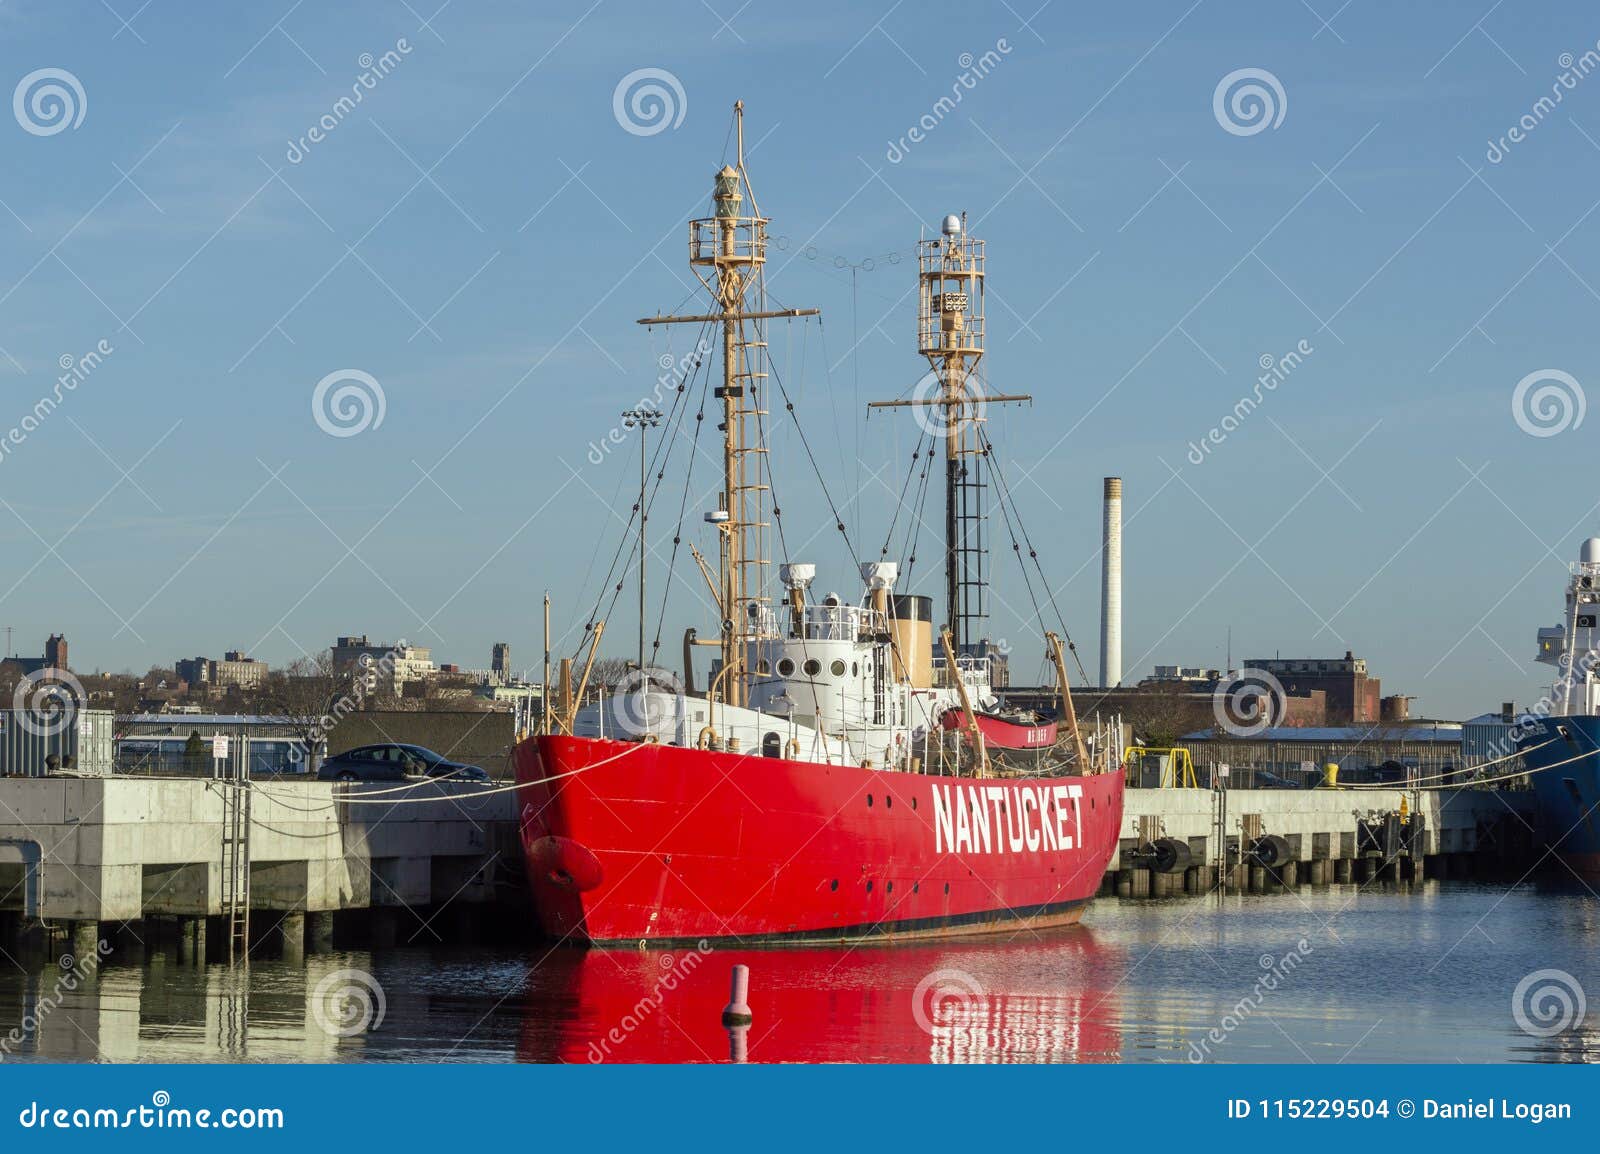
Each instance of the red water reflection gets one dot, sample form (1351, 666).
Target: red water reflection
(1039, 998)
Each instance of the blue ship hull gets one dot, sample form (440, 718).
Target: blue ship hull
(1569, 795)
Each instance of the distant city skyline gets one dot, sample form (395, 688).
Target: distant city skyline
(315, 321)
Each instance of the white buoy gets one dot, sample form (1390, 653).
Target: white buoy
(737, 1011)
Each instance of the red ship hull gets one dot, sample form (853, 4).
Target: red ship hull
(632, 843)
(1050, 997)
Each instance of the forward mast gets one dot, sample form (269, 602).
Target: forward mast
(728, 254)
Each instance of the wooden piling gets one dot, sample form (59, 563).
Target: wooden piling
(292, 938)
(319, 933)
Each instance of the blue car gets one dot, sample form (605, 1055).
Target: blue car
(396, 762)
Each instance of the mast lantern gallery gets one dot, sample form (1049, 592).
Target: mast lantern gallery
(728, 253)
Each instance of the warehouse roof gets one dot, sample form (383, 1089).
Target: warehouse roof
(1441, 732)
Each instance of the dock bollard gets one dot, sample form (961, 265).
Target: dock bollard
(737, 1011)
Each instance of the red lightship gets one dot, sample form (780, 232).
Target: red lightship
(847, 774)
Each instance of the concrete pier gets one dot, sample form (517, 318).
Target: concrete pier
(192, 941)
(91, 854)
(83, 941)
(1324, 829)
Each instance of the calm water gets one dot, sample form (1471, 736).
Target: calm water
(1423, 974)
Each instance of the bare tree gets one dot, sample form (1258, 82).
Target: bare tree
(312, 697)
(1161, 715)
(607, 671)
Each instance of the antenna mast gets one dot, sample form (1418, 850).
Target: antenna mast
(728, 253)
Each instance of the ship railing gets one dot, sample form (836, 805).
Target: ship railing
(974, 672)
(841, 622)
(749, 240)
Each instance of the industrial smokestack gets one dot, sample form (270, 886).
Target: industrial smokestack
(1111, 587)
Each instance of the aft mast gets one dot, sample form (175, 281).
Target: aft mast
(950, 333)
(728, 253)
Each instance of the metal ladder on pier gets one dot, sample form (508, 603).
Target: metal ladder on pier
(235, 787)
(1219, 828)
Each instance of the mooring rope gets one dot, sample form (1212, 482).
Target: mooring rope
(377, 797)
(1415, 782)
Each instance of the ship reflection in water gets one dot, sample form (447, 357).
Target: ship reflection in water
(1038, 998)
(1384, 974)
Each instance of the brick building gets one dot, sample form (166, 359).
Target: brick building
(1353, 698)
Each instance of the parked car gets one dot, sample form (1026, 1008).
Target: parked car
(396, 762)
(1264, 780)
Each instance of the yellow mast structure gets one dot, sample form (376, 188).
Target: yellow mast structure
(1067, 709)
(728, 253)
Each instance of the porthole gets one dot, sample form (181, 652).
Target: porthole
(855, 669)
(869, 801)
(835, 886)
(786, 667)
(869, 887)
(916, 887)
(913, 803)
(889, 889)
(837, 668)
(812, 667)
(946, 889)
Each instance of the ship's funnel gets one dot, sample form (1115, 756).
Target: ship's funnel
(912, 629)
(1111, 587)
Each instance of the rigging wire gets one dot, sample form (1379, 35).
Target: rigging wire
(1006, 495)
(805, 443)
(657, 466)
(677, 533)
(908, 546)
(916, 453)
(629, 539)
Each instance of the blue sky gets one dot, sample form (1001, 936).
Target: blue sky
(479, 234)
